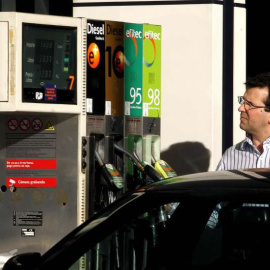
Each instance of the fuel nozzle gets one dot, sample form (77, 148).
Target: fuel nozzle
(145, 168)
(111, 174)
(163, 168)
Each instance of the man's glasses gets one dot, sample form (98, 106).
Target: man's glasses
(248, 105)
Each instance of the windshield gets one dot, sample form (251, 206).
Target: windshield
(103, 215)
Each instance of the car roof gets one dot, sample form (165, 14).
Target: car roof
(250, 178)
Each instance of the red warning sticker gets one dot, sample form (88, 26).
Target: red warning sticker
(13, 124)
(31, 181)
(37, 124)
(19, 164)
(24, 124)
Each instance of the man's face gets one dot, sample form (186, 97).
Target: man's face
(254, 120)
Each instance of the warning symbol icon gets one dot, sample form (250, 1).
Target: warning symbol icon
(49, 126)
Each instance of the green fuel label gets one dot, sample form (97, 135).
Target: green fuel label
(152, 70)
(142, 70)
(133, 45)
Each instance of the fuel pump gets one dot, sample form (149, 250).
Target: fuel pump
(42, 118)
(104, 127)
(142, 92)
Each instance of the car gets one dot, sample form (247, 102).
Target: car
(208, 220)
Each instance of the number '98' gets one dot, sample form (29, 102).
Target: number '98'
(153, 95)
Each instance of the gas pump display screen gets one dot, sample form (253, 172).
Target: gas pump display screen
(49, 64)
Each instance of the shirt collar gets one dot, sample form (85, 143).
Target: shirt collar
(248, 141)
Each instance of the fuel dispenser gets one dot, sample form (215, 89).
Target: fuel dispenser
(42, 118)
(105, 72)
(142, 94)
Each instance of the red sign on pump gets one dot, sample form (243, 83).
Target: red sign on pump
(18, 164)
(31, 181)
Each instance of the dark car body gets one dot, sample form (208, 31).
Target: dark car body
(211, 220)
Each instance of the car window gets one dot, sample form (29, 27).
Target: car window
(130, 246)
(193, 234)
(236, 234)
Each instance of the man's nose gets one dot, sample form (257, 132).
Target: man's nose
(241, 108)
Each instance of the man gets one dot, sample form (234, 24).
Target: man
(254, 150)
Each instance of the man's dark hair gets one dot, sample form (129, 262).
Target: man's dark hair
(261, 81)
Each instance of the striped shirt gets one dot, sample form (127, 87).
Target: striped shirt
(245, 156)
